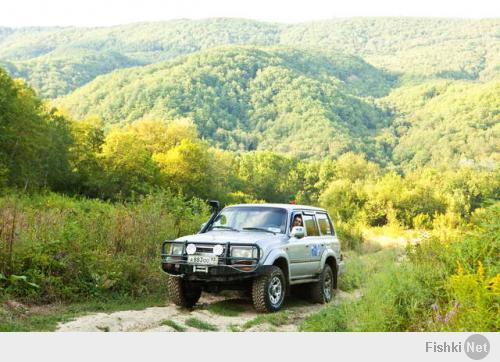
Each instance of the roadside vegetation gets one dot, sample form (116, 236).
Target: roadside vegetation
(436, 284)
(60, 249)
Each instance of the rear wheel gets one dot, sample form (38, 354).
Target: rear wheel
(322, 290)
(268, 290)
(181, 293)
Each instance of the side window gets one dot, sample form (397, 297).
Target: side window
(296, 220)
(325, 225)
(310, 224)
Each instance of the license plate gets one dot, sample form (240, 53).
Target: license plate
(203, 259)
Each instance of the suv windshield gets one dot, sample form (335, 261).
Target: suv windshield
(252, 218)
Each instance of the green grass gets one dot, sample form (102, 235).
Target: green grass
(362, 271)
(329, 319)
(46, 318)
(275, 319)
(234, 328)
(202, 325)
(174, 325)
(228, 308)
(359, 267)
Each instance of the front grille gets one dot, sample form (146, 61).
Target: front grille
(204, 249)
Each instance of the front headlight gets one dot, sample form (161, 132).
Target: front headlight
(243, 252)
(176, 249)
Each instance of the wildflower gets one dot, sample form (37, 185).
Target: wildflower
(452, 312)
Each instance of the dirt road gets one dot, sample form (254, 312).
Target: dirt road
(221, 313)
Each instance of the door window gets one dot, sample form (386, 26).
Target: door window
(325, 226)
(296, 220)
(310, 224)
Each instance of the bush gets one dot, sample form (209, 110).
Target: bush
(350, 235)
(79, 248)
(354, 275)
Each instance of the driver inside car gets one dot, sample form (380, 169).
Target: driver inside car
(297, 220)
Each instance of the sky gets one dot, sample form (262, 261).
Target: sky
(17, 13)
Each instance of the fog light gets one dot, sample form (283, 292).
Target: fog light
(191, 249)
(218, 250)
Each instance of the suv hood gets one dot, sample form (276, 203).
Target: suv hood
(224, 236)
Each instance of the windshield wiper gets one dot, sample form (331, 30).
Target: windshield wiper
(225, 227)
(260, 229)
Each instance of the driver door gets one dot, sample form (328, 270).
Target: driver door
(298, 253)
(313, 244)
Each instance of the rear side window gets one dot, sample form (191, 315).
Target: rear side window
(310, 224)
(325, 226)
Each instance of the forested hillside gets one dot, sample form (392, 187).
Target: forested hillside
(302, 103)
(445, 122)
(32, 50)
(305, 103)
(61, 71)
(415, 48)
(308, 97)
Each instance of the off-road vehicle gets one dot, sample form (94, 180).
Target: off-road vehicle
(257, 248)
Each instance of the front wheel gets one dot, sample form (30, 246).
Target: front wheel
(181, 293)
(268, 290)
(322, 290)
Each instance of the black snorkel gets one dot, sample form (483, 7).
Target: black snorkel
(214, 208)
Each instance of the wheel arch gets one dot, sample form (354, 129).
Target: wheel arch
(279, 258)
(282, 263)
(332, 262)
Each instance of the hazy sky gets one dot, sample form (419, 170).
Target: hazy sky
(111, 12)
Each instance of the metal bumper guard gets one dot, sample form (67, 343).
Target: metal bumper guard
(177, 264)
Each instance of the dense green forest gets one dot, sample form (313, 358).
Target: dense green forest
(302, 103)
(307, 104)
(392, 125)
(416, 48)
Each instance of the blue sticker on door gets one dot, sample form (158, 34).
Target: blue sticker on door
(315, 249)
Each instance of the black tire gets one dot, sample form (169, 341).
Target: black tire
(322, 291)
(268, 290)
(181, 293)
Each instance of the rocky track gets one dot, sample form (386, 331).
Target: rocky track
(162, 319)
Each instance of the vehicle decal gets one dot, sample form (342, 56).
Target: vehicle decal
(315, 249)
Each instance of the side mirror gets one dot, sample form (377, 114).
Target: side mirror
(298, 232)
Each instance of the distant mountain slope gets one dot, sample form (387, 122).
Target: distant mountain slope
(414, 48)
(140, 43)
(304, 103)
(447, 122)
(64, 70)
(145, 41)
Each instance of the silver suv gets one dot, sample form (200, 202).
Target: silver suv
(261, 248)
